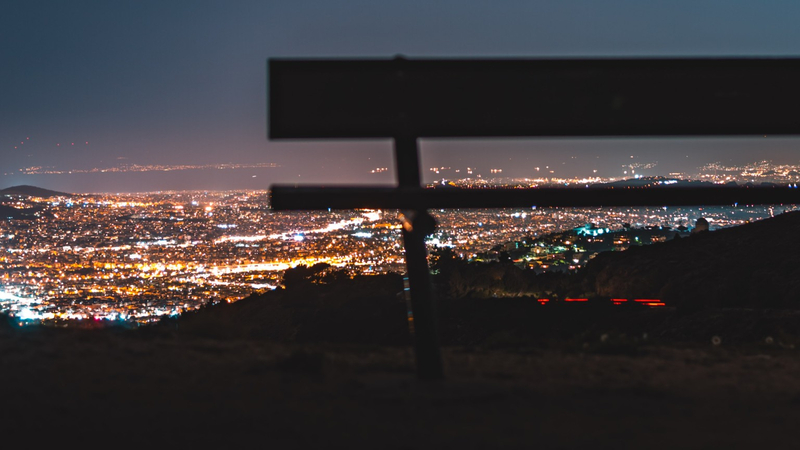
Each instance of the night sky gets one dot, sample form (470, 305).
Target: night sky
(183, 82)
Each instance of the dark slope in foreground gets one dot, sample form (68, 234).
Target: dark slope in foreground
(366, 309)
(754, 265)
(157, 389)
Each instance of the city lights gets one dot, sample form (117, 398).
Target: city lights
(139, 257)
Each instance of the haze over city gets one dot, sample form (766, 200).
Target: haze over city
(108, 90)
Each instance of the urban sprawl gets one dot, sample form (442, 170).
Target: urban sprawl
(139, 257)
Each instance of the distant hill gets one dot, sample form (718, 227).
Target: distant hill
(754, 265)
(32, 191)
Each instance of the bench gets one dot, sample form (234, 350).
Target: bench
(408, 99)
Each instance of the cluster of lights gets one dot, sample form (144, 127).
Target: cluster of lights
(172, 252)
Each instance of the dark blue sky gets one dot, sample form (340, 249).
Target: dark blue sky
(172, 82)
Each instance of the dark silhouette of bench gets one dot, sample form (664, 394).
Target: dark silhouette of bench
(404, 100)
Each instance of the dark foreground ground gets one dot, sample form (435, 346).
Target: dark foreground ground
(165, 386)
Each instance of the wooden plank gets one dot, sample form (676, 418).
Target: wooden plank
(321, 198)
(535, 97)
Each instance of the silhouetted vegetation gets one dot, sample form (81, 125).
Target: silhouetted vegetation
(301, 275)
(457, 278)
(316, 305)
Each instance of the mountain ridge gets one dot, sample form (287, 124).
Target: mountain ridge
(32, 191)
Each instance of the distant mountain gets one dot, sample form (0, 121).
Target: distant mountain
(756, 264)
(32, 191)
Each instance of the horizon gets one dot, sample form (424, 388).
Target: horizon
(753, 172)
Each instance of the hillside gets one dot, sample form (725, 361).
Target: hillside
(364, 310)
(755, 265)
(9, 212)
(32, 191)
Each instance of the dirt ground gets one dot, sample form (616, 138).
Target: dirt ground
(157, 387)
